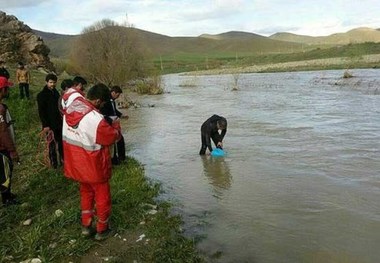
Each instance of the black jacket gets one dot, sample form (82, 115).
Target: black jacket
(209, 129)
(48, 111)
(109, 110)
(4, 72)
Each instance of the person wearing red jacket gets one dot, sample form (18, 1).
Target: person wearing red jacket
(8, 152)
(71, 93)
(86, 140)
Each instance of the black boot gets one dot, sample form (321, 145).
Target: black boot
(9, 199)
(202, 151)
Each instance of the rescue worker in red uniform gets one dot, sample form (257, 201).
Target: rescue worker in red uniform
(86, 140)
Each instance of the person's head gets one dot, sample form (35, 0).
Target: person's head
(79, 83)
(115, 92)
(98, 95)
(51, 80)
(66, 83)
(4, 86)
(20, 65)
(222, 124)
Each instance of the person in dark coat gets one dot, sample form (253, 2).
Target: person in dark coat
(51, 118)
(210, 131)
(110, 112)
(3, 70)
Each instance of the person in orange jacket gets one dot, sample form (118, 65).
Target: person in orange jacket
(23, 80)
(87, 137)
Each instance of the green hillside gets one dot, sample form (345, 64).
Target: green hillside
(178, 54)
(358, 35)
(59, 45)
(161, 45)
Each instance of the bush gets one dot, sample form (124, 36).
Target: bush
(150, 86)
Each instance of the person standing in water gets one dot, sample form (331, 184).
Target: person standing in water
(210, 131)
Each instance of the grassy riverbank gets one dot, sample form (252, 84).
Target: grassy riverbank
(367, 61)
(364, 55)
(47, 223)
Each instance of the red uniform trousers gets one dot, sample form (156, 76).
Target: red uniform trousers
(95, 195)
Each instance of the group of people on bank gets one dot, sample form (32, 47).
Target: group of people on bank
(22, 77)
(84, 129)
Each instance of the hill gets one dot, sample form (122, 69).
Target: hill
(59, 44)
(161, 45)
(236, 48)
(354, 36)
(233, 35)
(228, 43)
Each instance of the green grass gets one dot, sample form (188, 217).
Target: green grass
(53, 236)
(192, 62)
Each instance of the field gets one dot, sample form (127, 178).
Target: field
(343, 57)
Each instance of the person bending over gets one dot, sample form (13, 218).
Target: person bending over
(210, 131)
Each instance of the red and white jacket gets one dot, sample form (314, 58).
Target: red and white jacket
(86, 140)
(68, 97)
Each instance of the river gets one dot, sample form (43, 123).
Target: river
(301, 178)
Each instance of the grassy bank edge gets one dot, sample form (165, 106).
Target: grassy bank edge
(146, 231)
(339, 63)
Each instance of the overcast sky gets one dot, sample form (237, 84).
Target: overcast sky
(195, 17)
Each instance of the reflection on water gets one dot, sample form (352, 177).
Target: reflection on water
(217, 171)
(301, 180)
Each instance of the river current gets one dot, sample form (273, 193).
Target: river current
(301, 178)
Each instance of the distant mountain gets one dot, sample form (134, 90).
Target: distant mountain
(233, 42)
(157, 44)
(233, 35)
(49, 36)
(59, 44)
(354, 36)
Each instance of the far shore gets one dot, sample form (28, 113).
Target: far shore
(366, 61)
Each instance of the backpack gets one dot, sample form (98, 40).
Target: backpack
(5, 173)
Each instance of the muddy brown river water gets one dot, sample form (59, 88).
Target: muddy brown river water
(301, 178)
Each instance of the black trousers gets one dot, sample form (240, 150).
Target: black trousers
(119, 151)
(24, 87)
(54, 161)
(215, 137)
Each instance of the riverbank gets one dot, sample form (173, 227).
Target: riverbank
(46, 225)
(365, 61)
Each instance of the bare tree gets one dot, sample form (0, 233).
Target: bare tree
(109, 53)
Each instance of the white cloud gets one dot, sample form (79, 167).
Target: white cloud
(20, 3)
